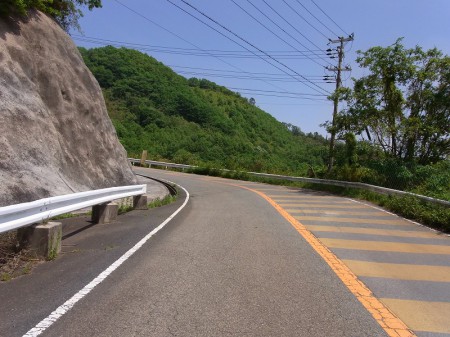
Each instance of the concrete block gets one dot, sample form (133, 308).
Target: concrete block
(43, 239)
(140, 202)
(104, 213)
(143, 158)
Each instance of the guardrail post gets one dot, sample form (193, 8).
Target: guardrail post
(140, 202)
(43, 239)
(104, 213)
(143, 158)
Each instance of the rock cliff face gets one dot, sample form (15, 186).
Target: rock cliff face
(55, 134)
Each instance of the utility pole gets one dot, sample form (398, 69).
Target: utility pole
(337, 70)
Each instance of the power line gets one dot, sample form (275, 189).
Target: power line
(285, 96)
(315, 17)
(293, 27)
(243, 77)
(286, 32)
(271, 31)
(301, 16)
(245, 41)
(178, 52)
(240, 72)
(290, 104)
(223, 27)
(188, 51)
(252, 45)
(232, 75)
(188, 42)
(278, 92)
(329, 17)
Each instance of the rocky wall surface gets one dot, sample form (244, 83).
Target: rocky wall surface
(55, 134)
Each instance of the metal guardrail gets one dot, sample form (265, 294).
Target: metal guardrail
(163, 164)
(369, 187)
(20, 215)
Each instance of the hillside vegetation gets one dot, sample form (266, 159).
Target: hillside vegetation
(195, 121)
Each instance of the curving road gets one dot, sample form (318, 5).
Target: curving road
(247, 259)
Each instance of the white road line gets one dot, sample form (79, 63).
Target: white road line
(64, 308)
(398, 216)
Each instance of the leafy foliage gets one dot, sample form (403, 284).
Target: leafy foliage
(65, 12)
(195, 121)
(403, 105)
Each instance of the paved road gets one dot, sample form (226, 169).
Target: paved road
(405, 265)
(240, 260)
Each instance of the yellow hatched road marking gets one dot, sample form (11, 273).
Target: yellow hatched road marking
(373, 231)
(382, 246)
(322, 206)
(339, 212)
(296, 194)
(399, 271)
(311, 200)
(279, 189)
(393, 326)
(422, 315)
(350, 220)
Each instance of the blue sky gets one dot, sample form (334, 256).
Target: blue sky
(374, 23)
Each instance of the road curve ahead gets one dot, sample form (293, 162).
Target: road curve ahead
(228, 264)
(244, 259)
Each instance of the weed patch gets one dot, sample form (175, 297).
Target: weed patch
(14, 262)
(161, 202)
(64, 216)
(124, 209)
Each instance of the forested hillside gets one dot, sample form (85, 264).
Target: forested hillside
(195, 121)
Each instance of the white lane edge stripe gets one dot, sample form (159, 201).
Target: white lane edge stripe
(399, 216)
(64, 308)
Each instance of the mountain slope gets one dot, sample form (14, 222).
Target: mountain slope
(193, 121)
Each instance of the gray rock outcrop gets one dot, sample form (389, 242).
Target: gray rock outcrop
(55, 134)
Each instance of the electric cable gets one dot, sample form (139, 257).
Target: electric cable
(188, 42)
(232, 71)
(301, 16)
(277, 92)
(315, 17)
(252, 45)
(271, 31)
(329, 17)
(177, 52)
(244, 77)
(315, 45)
(286, 32)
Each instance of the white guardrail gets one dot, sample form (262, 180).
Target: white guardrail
(20, 215)
(369, 187)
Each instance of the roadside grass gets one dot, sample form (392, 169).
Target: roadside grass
(124, 209)
(65, 216)
(168, 199)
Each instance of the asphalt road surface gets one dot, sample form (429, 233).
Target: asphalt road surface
(243, 259)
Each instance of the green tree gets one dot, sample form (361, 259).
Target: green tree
(403, 105)
(65, 12)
